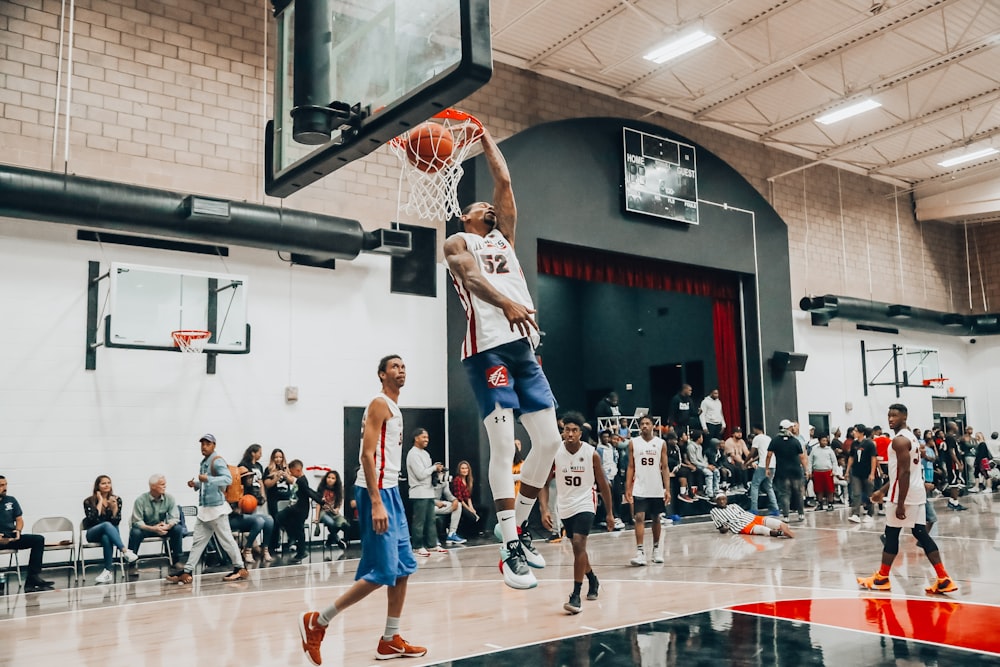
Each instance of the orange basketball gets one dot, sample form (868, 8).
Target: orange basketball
(429, 146)
(248, 504)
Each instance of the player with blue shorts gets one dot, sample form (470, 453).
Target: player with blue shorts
(499, 358)
(386, 555)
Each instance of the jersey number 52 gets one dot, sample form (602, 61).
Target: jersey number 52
(495, 264)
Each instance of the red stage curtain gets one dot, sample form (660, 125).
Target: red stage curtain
(581, 263)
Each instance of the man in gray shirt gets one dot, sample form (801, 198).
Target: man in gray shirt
(696, 457)
(419, 469)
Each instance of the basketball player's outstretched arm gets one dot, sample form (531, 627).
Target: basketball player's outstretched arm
(503, 193)
(463, 266)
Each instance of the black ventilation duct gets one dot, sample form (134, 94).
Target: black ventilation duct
(54, 197)
(898, 316)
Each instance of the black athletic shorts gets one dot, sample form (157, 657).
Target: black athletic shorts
(651, 507)
(578, 524)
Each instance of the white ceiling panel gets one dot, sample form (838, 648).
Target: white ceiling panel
(934, 64)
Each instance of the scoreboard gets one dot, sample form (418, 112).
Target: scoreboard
(661, 177)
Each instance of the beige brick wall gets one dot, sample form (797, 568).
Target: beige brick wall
(171, 94)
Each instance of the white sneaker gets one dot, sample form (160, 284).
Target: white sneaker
(867, 520)
(619, 524)
(440, 549)
(657, 554)
(531, 555)
(516, 572)
(105, 577)
(665, 520)
(421, 552)
(130, 557)
(854, 518)
(639, 559)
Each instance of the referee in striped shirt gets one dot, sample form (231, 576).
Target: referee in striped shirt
(735, 519)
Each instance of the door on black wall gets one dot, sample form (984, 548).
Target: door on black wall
(665, 381)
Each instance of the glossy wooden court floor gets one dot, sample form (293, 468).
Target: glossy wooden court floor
(459, 608)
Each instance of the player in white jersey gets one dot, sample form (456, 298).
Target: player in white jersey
(499, 358)
(386, 555)
(647, 487)
(577, 469)
(905, 506)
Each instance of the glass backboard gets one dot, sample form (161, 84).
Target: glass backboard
(147, 303)
(353, 74)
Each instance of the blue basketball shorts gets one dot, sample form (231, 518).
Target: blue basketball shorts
(509, 376)
(385, 557)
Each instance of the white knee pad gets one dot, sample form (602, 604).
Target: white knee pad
(545, 440)
(500, 430)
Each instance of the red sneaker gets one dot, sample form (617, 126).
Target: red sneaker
(312, 636)
(397, 648)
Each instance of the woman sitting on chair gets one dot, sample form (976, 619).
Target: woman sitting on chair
(253, 524)
(102, 514)
(461, 488)
(330, 512)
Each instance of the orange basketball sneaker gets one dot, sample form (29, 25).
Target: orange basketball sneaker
(945, 585)
(876, 582)
(397, 648)
(312, 636)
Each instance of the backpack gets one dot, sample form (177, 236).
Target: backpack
(233, 492)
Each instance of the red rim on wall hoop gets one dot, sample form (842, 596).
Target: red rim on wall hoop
(191, 341)
(433, 177)
(935, 382)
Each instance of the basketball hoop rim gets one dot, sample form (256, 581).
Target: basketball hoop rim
(930, 381)
(456, 115)
(187, 339)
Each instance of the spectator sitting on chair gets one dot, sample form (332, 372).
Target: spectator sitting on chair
(277, 487)
(12, 537)
(738, 455)
(715, 452)
(257, 522)
(292, 519)
(330, 510)
(697, 458)
(102, 514)
(735, 519)
(461, 488)
(446, 505)
(155, 514)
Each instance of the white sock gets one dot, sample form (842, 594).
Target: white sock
(391, 627)
(508, 527)
(522, 509)
(327, 615)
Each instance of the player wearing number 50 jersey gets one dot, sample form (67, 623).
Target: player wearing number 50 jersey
(499, 358)
(647, 487)
(577, 469)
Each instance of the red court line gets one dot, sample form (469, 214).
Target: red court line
(938, 621)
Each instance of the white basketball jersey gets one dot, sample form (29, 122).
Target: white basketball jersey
(575, 477)
(486, 326)
(917, 495)
(388, 451)
(648, 481)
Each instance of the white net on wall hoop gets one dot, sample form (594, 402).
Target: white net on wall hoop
(191, 341)
(433, 179)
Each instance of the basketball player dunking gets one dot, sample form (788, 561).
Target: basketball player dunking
(498, 355)
(386, 555)
(905, 506)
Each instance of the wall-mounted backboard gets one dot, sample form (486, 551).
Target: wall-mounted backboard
(352, 74)
(147, 303)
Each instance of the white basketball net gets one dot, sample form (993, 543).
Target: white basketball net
(434, 194)
(191, 341)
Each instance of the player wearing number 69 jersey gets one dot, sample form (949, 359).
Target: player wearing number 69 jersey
(577, 469)
(647, 487)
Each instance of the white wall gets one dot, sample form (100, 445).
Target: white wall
(833, 375)
(142, 412)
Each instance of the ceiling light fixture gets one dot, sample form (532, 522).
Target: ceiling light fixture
(968, 157)
(679, 46)
(848, 111)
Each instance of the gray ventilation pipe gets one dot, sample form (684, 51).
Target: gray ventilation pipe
(829, 306)
(54, 197)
